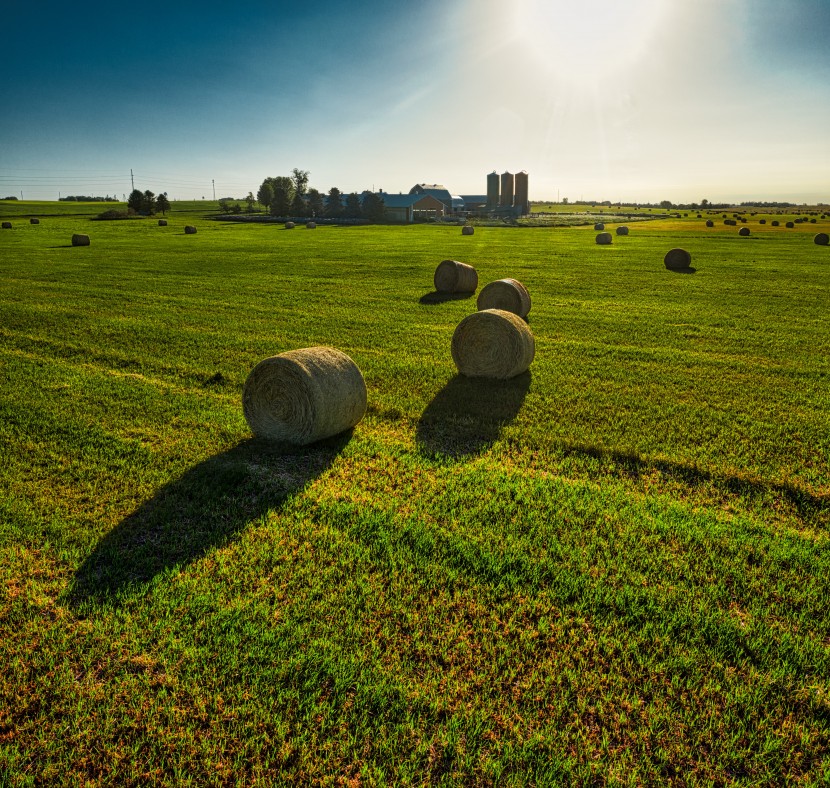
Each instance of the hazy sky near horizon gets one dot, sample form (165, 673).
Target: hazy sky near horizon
(615, 99)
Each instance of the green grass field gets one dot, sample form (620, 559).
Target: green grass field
(612, 570)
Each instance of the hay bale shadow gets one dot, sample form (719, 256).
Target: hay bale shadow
(689, 270)
(204, 508)
(468, 414)
(439, 298)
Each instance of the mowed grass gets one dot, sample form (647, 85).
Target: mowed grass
(611, 570)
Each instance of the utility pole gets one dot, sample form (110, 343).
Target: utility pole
(213, 182)
(132, 181)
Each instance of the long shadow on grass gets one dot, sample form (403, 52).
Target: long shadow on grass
(204, 508)
(468, 414)
(441, 298)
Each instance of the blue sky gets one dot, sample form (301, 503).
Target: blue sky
(637, 100)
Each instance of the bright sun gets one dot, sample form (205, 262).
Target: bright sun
(587, 41)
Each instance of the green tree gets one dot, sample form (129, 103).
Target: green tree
(352, 209)
(225, 204)
(373, 209)
(250, 200)
(666, 204)
(334, 202)
(135, 202)
(298, 206)
(162, 203)
(315, 202)
(300, 180)
(265, 193)
(281, 202)
(148, 206)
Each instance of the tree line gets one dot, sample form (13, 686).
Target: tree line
(146, 203)
(286, 196)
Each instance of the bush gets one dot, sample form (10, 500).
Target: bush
(114, 213)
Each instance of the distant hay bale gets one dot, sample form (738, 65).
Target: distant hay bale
(303, 396)
(744, 220)
(507, 294)
(190, 229)
(730, 222)
(7, 225)
(289, 225)
(812, 221)
(677, 259)
(311, 225)
(743, 231)
(710, 223)
(452, 276)
(493, 343)
(604, 238)
(468, 229)
(622, 230)
(762, 221)
(33, 220)
(790, 225)
(775, 223)
(599, 226)
(822, 239)
(162, 222)
(80, 240)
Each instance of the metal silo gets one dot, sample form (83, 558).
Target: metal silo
(506, 200)
(492, 190)
(520, 196)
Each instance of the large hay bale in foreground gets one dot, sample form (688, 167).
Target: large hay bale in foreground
(622, 230)
(604, 238)
(7, 225)
(507, 294)
(190, 229)
(677, 259)
(452, 276)
(303, 396)
(744, 231)
(80, 240)
(468, 229)
(33, 220)
(311, 225)
(790, 225)
(289, 225)
(493, 343)
(162, 222)
(822, 239)
(710, 223)
(599, 226)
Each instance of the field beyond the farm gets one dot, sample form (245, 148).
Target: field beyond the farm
(613, 569)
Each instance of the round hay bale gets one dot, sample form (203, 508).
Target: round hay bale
(710, 223)
(762, 221)
(468, 229)
(289, 225)
(303, 396)
(822, 239)
(775, 223)
(493, 343)
(744, 231)
(311, 225)
(622, 230)
(80, 240)
(454, 277)
(677, 259)
(7, 225)
(605, 238)
(730, 222)
(812, 221)
(790, 225)
(744, 220)
(162, 222)
(189, 229)
(507, 294)
(33, 220)
(599, 226)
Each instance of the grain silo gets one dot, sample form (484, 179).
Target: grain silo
(492, 190)
(520, 199)
(506, 200)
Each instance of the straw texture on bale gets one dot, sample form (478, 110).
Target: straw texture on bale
(289, 225)
(7, 225)
(599, 226)
(604, 238)
(622, 230)
(468, 230)
(311, 225)
(710, 223)
(743, 231)
(162, 222)
(80, 240)
(190, 229)
(822, 239)
(34, 221)
(492, 344)
(677, 259)
(507, 294)
(303, 396)
(790, 225)
(454, 277)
